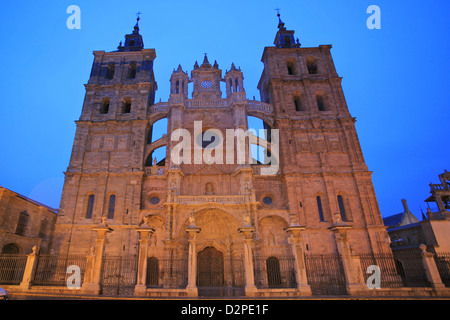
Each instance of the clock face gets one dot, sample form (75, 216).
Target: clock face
(206, 84)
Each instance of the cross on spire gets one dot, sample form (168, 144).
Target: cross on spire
(138, 14)
(280, 23)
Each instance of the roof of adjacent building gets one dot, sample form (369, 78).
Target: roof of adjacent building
(400, 219)
(31, 200)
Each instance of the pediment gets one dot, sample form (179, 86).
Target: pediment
(210, 169)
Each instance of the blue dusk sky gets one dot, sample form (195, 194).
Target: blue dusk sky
(395, 80)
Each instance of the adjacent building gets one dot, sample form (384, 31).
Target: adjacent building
(24, 223)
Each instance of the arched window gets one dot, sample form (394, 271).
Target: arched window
(312, 65)
(320, 208)
(104, 108)
(236, 82)
(90, 206)
(132, 70)
(111, 206)
(342, 210)
(321, 102)
(260, 128)
(177, 87)
(290, 68)
(22, 223)
(126, 105)
(273, 272)
(159, 155)
(110, 69)
(152, 271)
(298, 103)
(157, 130)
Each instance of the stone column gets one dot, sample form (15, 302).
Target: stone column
(431, 269)
(93, 287)
(350, 263)
(192, 231)
(250, 288)
(89, 273)
(30, 269)
(145, 232)
(296, 242)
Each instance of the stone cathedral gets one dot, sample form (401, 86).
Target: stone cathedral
(199, 225)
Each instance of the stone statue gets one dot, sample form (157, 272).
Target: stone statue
(192, 221)
(209, 189)
(247, 220)
(337, 217)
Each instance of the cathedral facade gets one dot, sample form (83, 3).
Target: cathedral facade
(225, 213)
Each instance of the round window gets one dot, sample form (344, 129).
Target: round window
(154, 200)
(267, 200)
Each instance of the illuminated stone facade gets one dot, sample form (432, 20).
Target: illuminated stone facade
(320, 199)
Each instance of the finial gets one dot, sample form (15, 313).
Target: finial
(280, 23)
(136, 27)
(205, 60)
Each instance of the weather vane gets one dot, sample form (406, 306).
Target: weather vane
(138, 14)
(278, 11)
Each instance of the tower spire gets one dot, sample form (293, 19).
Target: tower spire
(280, 23)
(285, 38)
(136, 27)
(133, 41)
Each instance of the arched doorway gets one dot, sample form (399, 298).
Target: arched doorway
(152, 272)
(273, 272)
(210, 272)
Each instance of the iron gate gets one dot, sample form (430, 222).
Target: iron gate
(219, 276)
(274, 272)
(325, 274)
(119, 275)
(12, 267)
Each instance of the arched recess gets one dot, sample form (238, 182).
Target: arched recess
(11, 248)
(157, 130)
(262, 141)
(218, 229)
(273, 235)
(159, 154)
(260, 127)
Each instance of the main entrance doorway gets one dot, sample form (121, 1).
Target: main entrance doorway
(210, 272)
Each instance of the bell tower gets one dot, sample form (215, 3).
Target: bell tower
(106, 167)
(320, 154)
